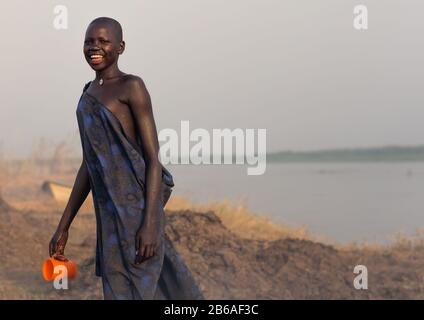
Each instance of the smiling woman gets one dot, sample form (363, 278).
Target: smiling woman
(130, 187)
(105, 44)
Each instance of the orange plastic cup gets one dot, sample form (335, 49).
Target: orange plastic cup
(50, 263)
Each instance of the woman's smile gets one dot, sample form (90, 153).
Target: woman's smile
(96, 58)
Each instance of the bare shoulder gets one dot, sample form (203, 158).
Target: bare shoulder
(135, 85)
(138, 97)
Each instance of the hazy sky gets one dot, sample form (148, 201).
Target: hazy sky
(297, 68)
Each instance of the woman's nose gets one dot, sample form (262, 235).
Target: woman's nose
(95, 44)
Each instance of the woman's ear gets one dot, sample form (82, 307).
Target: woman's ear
(121, 47)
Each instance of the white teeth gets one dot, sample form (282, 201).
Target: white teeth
(94, 56)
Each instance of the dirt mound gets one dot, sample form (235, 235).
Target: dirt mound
(230, 267)
(225, 265)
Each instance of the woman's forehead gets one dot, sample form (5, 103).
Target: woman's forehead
(100, 29)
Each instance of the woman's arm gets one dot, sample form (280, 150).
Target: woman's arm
(79, 193)
(147, 238)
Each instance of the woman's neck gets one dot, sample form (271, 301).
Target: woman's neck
(111, 72)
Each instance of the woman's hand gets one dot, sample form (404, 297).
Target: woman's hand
(146, 242)
(58, 243)
(79, 193)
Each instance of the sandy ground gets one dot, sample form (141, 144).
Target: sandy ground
(226, 264)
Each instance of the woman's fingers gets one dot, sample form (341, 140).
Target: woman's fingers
(147, 253)
(51, 249)
(60, 246)
(144, 251)
(140, 254)
(152, 250)
(60, 250)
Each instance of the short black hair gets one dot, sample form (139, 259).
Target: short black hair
(117, 29)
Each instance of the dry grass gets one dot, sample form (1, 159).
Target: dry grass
(238, 218)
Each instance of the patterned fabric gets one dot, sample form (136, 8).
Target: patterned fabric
(117, 177)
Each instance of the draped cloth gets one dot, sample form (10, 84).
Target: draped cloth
(117, 173)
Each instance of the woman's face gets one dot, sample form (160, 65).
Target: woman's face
(101, 46)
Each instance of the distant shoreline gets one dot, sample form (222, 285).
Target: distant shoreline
(340, 155)
(374, 154)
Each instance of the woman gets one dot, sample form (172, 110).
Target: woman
(130, 187)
